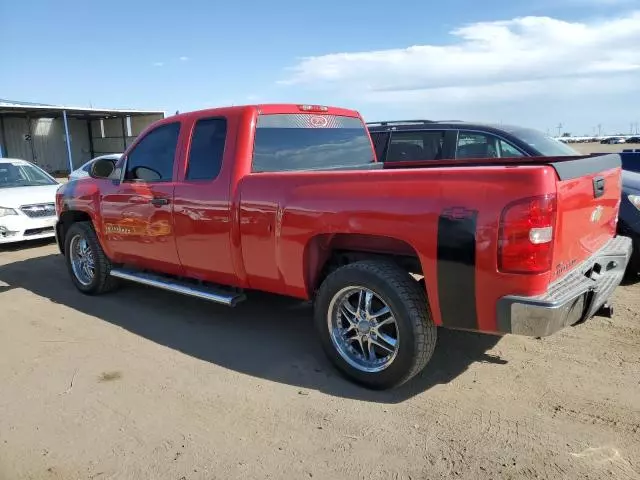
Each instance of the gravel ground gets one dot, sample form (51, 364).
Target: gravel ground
(146, 384)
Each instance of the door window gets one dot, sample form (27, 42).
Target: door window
(508, 150)
(207, 149)
(414, 146)
(152, 159)
(476, 145)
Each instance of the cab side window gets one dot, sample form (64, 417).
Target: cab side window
(152, 159)
(207, 149)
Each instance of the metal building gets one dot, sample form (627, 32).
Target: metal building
(60, 139)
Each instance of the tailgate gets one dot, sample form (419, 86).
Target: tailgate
(588, 195)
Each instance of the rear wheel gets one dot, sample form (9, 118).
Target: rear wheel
(86, 261)
(374, 323)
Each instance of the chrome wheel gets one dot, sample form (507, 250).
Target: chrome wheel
(363, 329)
(82, 261)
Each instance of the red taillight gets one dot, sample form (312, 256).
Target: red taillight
(313, 108)
(525, 243)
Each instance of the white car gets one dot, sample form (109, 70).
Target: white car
(27, 201)
(84, 170)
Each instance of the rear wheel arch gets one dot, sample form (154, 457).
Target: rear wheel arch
(325, 253)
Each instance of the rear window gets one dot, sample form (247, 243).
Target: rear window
(290, 142)
(546, 145)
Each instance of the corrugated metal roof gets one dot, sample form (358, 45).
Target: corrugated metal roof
(13, 105)
(4, 101)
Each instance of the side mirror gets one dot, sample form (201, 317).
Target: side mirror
(102, 168)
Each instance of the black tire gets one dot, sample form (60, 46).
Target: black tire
(632, 273)
(102, 281)
(409, 306)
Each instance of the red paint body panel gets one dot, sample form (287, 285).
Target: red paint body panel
(274, 231)
(137, 232)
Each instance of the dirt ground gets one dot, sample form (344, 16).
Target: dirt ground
(146, 384)
(599, 148)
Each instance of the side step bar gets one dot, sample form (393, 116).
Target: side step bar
(230, 299)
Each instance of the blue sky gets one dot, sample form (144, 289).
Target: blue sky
(534, 63)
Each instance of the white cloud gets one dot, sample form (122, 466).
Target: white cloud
(488, 61)
(158, 64)
(184, 59)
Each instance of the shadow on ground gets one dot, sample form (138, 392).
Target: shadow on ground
(631, 278)
(268, 336)
(26, 245)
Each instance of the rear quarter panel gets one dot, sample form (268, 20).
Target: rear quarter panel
(288, 221)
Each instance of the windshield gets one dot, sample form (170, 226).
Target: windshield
(286, 142)
(546, 145)
(23, 175)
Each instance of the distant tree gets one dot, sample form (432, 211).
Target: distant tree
(566, 134)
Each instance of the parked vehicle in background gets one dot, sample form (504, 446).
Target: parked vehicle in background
(289, 199)
(630, 160)
(629, 217)
(27, 201)
(83, 171)
(613, 140)
(420, 140)
(633, 140)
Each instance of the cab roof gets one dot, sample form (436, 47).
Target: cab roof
(270, 109)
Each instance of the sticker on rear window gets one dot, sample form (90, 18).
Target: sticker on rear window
(306, 120)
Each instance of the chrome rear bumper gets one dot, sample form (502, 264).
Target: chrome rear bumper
(575, 297)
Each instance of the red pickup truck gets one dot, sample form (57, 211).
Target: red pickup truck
(290, 199)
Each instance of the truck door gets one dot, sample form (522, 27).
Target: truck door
(137, 211)
(202, 213)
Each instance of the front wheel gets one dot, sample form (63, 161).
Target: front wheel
(374, 323)
(86, 261)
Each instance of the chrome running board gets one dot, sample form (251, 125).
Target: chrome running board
(230, 299)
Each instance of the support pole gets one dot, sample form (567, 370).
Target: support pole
(90, 133)
(30, 141)
(3, 140)
(68, 139)
(124, 134)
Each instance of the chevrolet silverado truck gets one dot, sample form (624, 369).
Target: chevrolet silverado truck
(290, 199)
